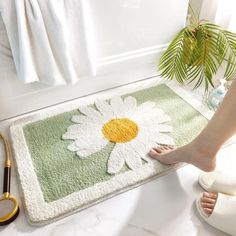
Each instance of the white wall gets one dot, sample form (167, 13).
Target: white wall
(126, 38)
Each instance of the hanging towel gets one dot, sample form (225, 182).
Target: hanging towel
(47, 39)
(6, 60)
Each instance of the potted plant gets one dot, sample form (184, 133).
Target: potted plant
(197, 52)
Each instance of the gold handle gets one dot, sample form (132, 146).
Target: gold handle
(7, 168)
(7, 151)
(8, 218)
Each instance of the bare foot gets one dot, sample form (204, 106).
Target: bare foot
(208, 201)
(189, 153)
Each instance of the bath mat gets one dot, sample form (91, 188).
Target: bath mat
(86, 151)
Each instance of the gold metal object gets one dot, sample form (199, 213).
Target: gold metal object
(13, 213)
(7, 151)
(6, 195)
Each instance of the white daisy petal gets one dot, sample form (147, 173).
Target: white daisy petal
(73, 132)
(143, 146)
(90, 112)
(133, 161)
(89, 144)
(163, 118)
(116, 160)
(94, 140)
(138, 146)
(124, 152)
(153, 135)
(146, 108)
(70, 135)
(74, 127)
(105, 109)
(154, 119)
(154, 115)
(165, 128)
(164, 139)
(93, 148)
(154, 129)
(80, 130)
(84, 129)
(72, 147)
(130, 104)
(117, 106)
(134, 152)
(80, 119)
(148, 138)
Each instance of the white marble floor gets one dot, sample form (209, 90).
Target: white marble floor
(163, 207)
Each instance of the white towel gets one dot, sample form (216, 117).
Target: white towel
(6, 60)
(47, 40)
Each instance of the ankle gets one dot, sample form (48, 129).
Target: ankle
(202, 156)
(204, 148)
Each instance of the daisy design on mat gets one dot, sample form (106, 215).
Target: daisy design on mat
(133, 128)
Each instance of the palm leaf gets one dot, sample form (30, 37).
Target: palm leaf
(197, 52)
(172, 63)
(203, 66)
(229, 39)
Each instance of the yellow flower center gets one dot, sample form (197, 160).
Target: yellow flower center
(120, 130)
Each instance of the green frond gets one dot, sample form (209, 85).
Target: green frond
(171, 63)
(197, 52)
(230, 41)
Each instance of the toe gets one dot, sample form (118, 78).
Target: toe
(166, 147)
(212, 195)
(208, 205)
(154, 153)
(208, 201)
(162, 149)
(158, 149)
(208, 211)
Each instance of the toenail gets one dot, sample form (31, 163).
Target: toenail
(152, 151)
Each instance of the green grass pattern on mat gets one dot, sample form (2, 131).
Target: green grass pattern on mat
(60, 172)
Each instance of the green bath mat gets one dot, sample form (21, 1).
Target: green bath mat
(89, 150)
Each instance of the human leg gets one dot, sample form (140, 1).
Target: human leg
(202, 150)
